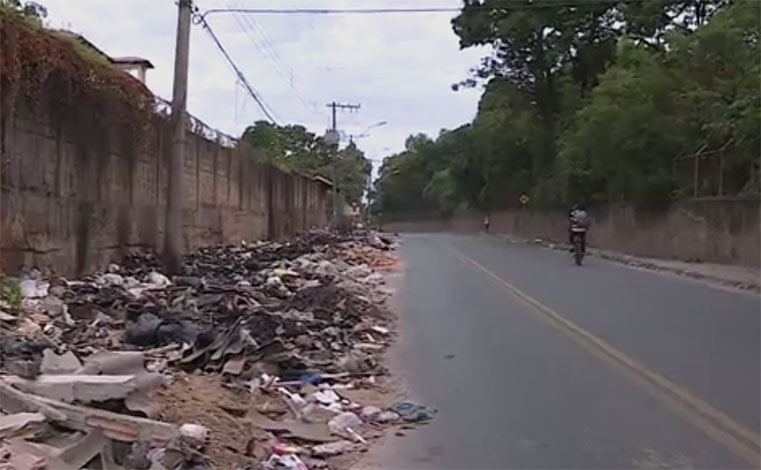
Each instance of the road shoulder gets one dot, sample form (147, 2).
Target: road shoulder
(725, 276)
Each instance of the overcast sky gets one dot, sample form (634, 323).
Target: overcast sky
(400, 67)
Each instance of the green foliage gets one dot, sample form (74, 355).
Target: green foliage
(10, 293)
(699, 96)
(296, 149)
(625, 138)
(30, 10)
(354, 172)
(594, 101)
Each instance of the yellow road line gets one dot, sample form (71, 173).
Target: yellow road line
(736, 437)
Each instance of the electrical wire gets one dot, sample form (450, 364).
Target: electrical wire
(518, 4)
(263, 44)
(269, 113)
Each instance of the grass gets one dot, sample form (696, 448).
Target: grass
(10, 293)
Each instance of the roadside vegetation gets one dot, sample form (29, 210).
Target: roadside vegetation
(594, 102)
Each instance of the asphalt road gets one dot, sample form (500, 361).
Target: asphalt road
(533, 362)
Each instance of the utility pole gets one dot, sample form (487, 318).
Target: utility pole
(173, 248)
(334, 165)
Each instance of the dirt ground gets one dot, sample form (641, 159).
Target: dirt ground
(202, 399)
(233, 441)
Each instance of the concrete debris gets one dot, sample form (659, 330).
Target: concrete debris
(335, 448)
(28, 328)
(345, 420)
(194, 434)
(34, 288)
(66, 363)
(80, 388)
(284, 462)
(326, 397)
(370, 413)
(18, 424)
(292, 324)
(7, 317)
(387, 417)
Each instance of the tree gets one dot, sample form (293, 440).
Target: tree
(29, 9)
(354, 172)
(294, 148)
(535, 43)
(597, 101)
(624, 140)
(697, 97)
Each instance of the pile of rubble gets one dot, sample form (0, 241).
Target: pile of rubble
(290, 332)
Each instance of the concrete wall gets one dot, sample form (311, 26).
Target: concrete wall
(719, 231)
(78, 190)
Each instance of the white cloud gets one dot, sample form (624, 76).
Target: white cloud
(400, 67)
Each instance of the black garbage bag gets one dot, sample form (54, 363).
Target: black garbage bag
(150, 330)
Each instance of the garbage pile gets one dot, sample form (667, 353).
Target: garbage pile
(298, 326)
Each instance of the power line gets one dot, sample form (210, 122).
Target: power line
(263, 44)
(517, 4)
(259, 99)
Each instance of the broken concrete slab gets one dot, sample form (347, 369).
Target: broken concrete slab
(139, 401)
(24, 461)
(13, 425)
(81, 388)
(119, 427)
(52, 363)
(31, 456)
(85, 450)
(16, 401)
(114, 363)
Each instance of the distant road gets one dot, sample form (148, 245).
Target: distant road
(536, 363)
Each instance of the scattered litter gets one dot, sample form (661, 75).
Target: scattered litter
(335, 448)
(158, 279)
(381, 329)
(387, 417)
(344, 420)
(370, 413)
(413, 412)
(194, 434)
(285, 462)
(326, 397)
(34, 289)
(7, 317)
(291, 326)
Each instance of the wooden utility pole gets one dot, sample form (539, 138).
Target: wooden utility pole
(173, 240)
(334, 164)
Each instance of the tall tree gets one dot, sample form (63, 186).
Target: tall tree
(295, 148)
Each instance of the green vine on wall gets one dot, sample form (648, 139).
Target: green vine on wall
(31, 54)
